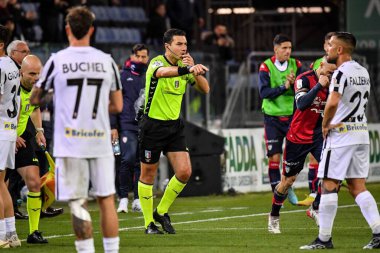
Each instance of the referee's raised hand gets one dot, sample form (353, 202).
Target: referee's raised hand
(198, 69)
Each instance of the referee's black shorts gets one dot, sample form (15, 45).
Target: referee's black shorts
(26, 156)
(156, 136)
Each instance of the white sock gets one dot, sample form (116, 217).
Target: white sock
(10, 224)
(327, 212)
(2, 230)
(369, 209)
(85, 246)
(111, 244)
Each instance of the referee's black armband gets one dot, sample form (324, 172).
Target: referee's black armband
(183, 70)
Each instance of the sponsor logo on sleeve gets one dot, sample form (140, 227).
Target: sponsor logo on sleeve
(157, 64)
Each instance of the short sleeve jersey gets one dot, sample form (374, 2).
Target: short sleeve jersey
(306, 125)
(164, 95)
(352, 82)
(9, 98)
(81, 78)
(25, 110)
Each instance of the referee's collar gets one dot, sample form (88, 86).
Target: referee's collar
(22, 86)
(168, 60)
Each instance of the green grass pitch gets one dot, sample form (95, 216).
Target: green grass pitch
(217, 224)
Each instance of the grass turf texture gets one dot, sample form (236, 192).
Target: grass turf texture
(215, 224)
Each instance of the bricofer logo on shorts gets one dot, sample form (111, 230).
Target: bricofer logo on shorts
(9, 126)
(83, 133)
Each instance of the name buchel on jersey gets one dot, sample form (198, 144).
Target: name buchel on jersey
(83, 67)
(359, 80)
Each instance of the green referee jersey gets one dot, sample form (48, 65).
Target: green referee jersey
(26, 110)
(163, 96)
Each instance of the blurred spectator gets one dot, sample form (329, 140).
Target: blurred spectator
(17, 50)
(157, 26)
(95, 2)
(24, 20)
(50, 11)
(183, 14)
(220, 41)
(6, 17)
(114, 2)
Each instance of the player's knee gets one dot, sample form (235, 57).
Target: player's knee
(330, 187)
(355, 190)
(289, 181)
(78, 210)
(147, 176)
(33, 184)
(184, 174)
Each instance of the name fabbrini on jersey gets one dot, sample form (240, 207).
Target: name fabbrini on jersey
(359, 80)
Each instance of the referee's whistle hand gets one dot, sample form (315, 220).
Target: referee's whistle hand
(187, 60)
(198, 69)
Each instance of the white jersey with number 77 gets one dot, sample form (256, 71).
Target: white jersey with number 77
(81, 78)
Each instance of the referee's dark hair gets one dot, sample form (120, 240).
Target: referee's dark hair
(348, 39)
(280, 38)
(4, 35)
(139, 47)
(80, 19)
(168, 35)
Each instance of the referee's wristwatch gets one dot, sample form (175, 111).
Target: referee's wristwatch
(40, 129)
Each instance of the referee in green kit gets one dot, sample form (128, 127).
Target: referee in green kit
(162, 130)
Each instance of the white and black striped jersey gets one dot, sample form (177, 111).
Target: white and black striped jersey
(352, 81)
(82, 78)
(9, 98)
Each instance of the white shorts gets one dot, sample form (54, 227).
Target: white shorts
(73, 176)
(7, 154)
(345, 162)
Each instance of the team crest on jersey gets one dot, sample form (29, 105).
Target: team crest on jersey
(148, 155)
(299, 83)
(270, 147)
(27, 107)
(157, 64)
(176, 84)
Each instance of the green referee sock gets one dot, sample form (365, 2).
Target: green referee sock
(33, 205)
(146, 201)
(172, 191)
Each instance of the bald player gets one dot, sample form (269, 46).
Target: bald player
(26, 160)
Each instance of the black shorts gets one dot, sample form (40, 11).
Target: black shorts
(156, 136)
(275, 131)
(295, 155)
(26, 156)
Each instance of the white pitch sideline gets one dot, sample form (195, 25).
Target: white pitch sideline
(200, 221)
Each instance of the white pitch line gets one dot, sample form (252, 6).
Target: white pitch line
(211, 210)
(265, 228)
(183, 213)
(239, 208)
(200, 221)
